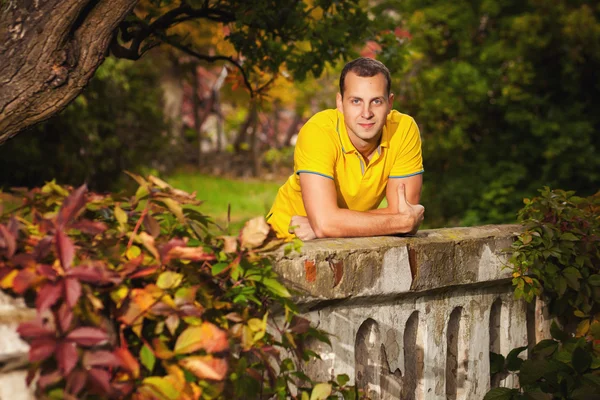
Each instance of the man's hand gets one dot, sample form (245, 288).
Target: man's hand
(414, 214)
(301, 228)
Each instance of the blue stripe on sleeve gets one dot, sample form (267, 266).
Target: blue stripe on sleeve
(406, 176)
(312, 172)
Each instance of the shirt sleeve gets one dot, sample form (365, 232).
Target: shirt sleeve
(315, 151)
(409, 160)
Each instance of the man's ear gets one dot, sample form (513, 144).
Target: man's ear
(391, 101)
(339, 103)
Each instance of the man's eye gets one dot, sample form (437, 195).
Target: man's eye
(355, 101)
(377, 101)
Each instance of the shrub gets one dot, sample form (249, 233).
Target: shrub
(558, 257)
(136, 299)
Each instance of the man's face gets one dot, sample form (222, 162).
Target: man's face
(365, 106)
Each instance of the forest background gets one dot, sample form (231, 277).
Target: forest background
(506, 95)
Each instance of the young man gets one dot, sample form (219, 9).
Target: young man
(346, 160)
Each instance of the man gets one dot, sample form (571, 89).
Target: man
(346, 160)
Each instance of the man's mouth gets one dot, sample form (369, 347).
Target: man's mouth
(367, 126)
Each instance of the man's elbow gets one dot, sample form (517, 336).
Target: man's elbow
(322, 228)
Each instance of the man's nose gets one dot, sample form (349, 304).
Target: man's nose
(366, 111)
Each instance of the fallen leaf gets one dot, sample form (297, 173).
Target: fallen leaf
(255, 232)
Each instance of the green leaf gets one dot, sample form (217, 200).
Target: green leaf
(545, 347)
(275, 287)
(538, 395)
(500, 394)
(532, 370)
(513, 362)
(572, 275)
(569, 236)
(496, 363)
(169, 280)
(163, 386)
(581, 360)
(594, 280)
(321, 391)
(218, 268)
(343, 379)
(147, 357)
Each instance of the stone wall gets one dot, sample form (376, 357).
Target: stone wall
(413, 318)
(13, 351)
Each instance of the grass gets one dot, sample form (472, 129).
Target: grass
(248, 198)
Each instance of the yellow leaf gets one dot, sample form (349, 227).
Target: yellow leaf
(175, 208)
(159, 182)
(206, 337)
(121, 216)
(582, 328)
(169, 280)
(133, 252)
(8, 280)
(321, 391)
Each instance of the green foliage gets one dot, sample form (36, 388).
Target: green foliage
(557, 256)
(136, 299)
(505, 95)
(115, 124)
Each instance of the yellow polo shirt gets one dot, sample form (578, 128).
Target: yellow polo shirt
(324, 148)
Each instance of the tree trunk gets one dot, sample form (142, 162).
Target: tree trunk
(49, 50)
(243, 132)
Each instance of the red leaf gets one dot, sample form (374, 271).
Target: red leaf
(128, 361)
(65, 249)
(7, 241)
(34, 329)
(131, 265)
(48, 295)
(144, 272)
(23, 260)
(66, 355)
(13, 226)
(90, 227)
(23, 280)
(42, 249)
(41, 349)
(88, 336)
(72, 291)
(164, 250)
(76, 381)
(65, 317)
(100, 358)
(71, 206)
(94, 272)
(49, 379)
(101, 379)
(47, 271)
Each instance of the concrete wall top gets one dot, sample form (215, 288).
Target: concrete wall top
(330, 269)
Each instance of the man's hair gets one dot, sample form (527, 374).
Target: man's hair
(365, 67)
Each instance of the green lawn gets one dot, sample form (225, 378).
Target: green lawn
(248, 198)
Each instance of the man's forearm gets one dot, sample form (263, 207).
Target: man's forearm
(349, 223)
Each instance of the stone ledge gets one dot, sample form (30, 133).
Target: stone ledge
(329, 269)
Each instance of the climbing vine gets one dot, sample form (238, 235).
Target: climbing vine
(557, 257)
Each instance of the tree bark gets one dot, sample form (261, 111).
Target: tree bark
(49, 50)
